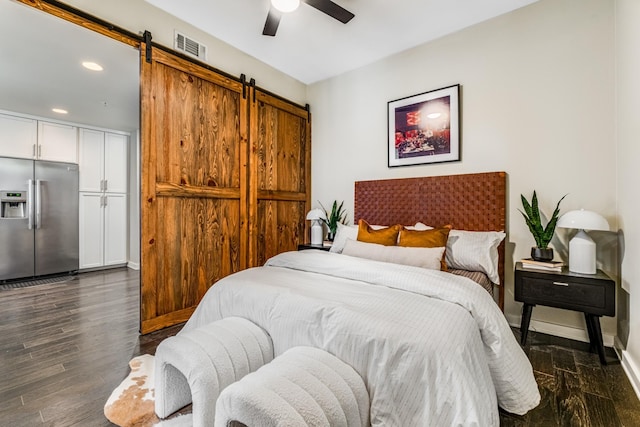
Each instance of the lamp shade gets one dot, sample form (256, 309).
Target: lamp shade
(583, 220)
(285, 5)
(315, 214)
(582, 248)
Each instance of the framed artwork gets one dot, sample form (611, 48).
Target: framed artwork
(424, 128)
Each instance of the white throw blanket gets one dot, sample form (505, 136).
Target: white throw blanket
(433, 348)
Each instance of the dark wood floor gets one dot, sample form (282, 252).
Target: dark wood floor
(65, 347)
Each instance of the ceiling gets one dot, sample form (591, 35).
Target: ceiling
(311, 46)
(40, 55)
(40, 68)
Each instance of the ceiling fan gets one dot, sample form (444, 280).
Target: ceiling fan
(282, 6)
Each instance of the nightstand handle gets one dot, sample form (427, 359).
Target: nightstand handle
(561, 283)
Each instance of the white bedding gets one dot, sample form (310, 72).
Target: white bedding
(433, 348)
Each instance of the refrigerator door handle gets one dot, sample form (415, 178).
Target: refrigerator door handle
(30, 202)
(38, 203)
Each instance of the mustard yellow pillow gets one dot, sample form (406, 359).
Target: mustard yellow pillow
(384, 236)
(426, 239)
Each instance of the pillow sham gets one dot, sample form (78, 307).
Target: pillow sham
(475, 251)
(428, 258)
(343, 233)
(385, 236)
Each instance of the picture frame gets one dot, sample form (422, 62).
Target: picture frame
(424, 128)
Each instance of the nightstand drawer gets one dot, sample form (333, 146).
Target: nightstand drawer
(592, 294)
(565, 294)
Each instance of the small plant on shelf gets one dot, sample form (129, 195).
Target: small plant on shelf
(336, 216)
(542, 235)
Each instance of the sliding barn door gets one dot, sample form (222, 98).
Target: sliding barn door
(280, 176)
(194, 209)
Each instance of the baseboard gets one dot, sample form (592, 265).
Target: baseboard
(133, 265)
(569, 332)
(631, 369)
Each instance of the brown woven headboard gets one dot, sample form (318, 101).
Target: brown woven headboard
(475, 202)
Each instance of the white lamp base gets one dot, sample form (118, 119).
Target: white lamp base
(582, 254)
(317, 232)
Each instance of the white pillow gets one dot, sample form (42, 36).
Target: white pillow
(417, 257)
(418, 227)
(475, 251)
(343, 233)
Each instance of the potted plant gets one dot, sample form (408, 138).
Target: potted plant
(337, 215)
(542, 235)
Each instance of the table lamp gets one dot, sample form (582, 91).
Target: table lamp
(582, 249)
(317, 231)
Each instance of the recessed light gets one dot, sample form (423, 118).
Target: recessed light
(434, 115)
(93, 66)
(59, 111)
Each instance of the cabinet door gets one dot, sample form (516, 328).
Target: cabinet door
(91, 222)
(115, 162)
(115, 229)
(18, 136)
(91, 150)
(57, 142)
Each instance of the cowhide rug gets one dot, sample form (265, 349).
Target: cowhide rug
(131, 404)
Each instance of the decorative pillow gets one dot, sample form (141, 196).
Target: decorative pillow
(429, 258)
(385, 236)
(343, 233)
(433, 238)
(475, 251)
(424, 238)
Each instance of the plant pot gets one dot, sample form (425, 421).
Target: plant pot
(330, 236)
(542, 254)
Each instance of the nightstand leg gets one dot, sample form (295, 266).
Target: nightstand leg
(597, 335)
(592, 339)
(524, 323)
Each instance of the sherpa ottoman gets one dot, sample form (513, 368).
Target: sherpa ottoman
(197, 365)
(303, 387)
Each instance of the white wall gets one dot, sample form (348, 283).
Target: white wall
(137, 16)
(537, 101)
(628, 129)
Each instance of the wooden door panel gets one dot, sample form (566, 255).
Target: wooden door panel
(281, 150)
(206, 234)
(281, 228)
(194, 185)
(280, 176)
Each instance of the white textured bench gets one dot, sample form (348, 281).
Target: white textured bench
(196, 366)
(303, 387)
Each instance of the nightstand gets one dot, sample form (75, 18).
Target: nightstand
(592, 294)
(322, 247)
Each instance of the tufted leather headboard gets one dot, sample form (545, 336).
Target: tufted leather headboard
(475, 202)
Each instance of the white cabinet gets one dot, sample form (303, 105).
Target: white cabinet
(103, 229)
(18, 136)
(103, 161)
(57, 142)
(29, 138)
(103, 198)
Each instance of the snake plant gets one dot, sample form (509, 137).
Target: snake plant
(337, 215)
(531, 214)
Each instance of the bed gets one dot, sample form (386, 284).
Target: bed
(433, 348)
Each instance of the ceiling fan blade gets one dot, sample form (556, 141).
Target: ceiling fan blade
(272, 22)
(331, 9)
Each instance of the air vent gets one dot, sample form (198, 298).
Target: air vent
(190, 46)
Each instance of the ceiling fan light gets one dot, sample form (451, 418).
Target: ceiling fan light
(285, 5)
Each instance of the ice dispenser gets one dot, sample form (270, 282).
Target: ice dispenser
(13, 204)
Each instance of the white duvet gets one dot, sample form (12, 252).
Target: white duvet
(433, 348)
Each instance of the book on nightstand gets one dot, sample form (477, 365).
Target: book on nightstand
(542, 265)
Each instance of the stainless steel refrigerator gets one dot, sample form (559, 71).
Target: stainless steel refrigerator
(38, 218)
